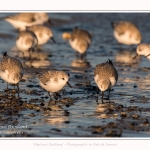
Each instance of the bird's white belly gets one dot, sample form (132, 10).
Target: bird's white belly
(52, 86)
(125, 38)
(7, 77)
(17, 24)
(74, 44)
(22, 46)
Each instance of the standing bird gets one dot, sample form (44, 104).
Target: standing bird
(53, 81)
(26, 42)
(22, 20)
(126, 33)
(80, 40)
(105, 76)
(11, 70)
(43, 34)
(143, 49)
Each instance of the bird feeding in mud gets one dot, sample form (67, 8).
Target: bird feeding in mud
(26, 42)
(53, 81)
(144, 50)
(105, 76)
(11, 70)
(43, 34)
(80, 40)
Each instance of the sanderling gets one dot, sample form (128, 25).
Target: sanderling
(43, 33)
(26, 41)
(105, 76)
(11, 70)
(22, 20)
(53, 81)
(143, 49)
(79, 40)
(126, 33)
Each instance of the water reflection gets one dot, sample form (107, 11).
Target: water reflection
(106, 110)
(56, 115)
(57, 120)
(38, 58)
(80, 63)
(126, 56)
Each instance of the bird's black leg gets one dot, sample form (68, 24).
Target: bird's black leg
(30, 50)
(17, 88)
(83, 56)
(50, 95)
(6, 87)
(102, 96)
(97, 92)
(23, 55)
(120, 47)
(77, 55)
(109, 93)
(56, 96)
(30, 54)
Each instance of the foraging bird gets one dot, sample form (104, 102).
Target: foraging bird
(26, 41)
(53, 81)
(80, 40)
(105, 76)
(11, 70)
(143, 49)
(126, 33)
(22, 20)
(43, 34)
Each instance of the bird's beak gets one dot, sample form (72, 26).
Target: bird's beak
(69, 84)
(53, 39)
(135, 56)
(147, 56)
(49, 22)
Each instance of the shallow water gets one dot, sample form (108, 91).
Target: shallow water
(77, 114)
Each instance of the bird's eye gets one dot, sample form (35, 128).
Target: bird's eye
(63, 78)
(41, 77)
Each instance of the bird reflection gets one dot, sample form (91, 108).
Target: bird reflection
(56, 116)
(80, 63)
(38, 58)
(106, 110)
(126, 57)
(57, 120)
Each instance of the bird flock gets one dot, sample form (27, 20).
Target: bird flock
(33, 33)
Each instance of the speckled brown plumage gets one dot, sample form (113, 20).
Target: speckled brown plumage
(123, 26)
(39, 29)
(81, 34)
(25, 17)
(10, 63)
(50, 75)
(106, 70)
